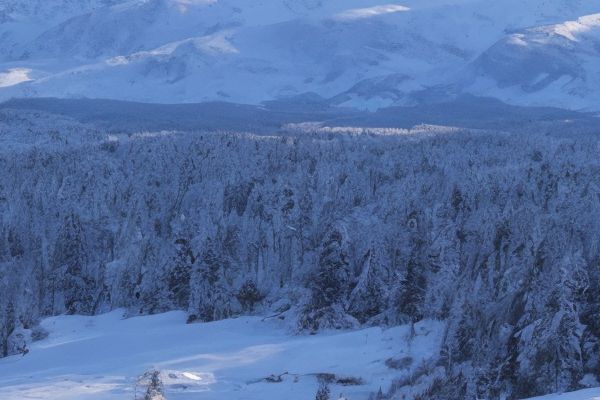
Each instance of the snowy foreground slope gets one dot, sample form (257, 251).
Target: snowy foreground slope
(104, 358)
(360, 53)
(589, 394)
(249, 358)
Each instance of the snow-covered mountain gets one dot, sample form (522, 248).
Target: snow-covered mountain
(363, 53)
(558, 61)
(22, 21)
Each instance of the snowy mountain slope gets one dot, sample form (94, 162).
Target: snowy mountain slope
(559, 62)
(102, 357)
(357, 53)
(18, 10)
(22, 21)
(123, 29)
(247, 64)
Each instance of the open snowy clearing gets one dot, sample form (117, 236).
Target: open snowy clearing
(102, 358)
(588, 394)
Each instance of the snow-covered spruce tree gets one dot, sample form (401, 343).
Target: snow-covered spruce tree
(330, 286)
(248, 295)
(412, 291)
(323, 393)
(550, 344)
(377, 396)
(8, 327)
(179, 274)
(367, 298)
(152, 287)
(211, 297)
(154, 391)
(71, 289)
(590, 317)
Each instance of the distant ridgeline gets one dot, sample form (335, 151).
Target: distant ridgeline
(494, 233)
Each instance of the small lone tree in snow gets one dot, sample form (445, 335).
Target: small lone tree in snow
(155, 386)
(249, 295)
(323, 393)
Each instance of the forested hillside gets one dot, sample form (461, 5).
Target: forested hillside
(493, 233)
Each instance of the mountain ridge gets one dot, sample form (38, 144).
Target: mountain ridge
(363, 54)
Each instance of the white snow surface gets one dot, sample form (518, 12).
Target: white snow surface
(14, 77)
(102, 357)
(587, 394)
(174, 51)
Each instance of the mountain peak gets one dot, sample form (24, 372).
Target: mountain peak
(197, 50)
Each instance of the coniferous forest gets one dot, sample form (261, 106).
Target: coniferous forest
(493, 233)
